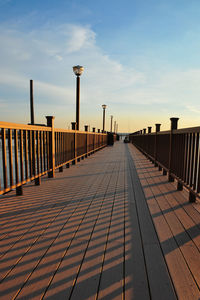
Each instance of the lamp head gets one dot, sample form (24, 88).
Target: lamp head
(104, 106)
(78, 70)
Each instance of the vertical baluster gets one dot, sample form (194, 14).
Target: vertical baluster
(21, 156)
(47, 144)
(182, 147)
(38, 153)
(45, 150)
(192, 196)
(37, 158)
(18, 188)
(10, 156)
(62, 152)
(26, 153)
(61, 148)
(186, 137)
(178, 146)
(3, 133)
(50, 124)
(30, 154)
(56, 149)
(34, 152)
(190, 159)
(16, 156)
(64, 137)
(41, 151)
(63, 159)
(198, 169)
(196, 162)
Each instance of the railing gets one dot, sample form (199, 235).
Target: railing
(176, 152)
(28, 151)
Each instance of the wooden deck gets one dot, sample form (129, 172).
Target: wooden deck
(110, 227)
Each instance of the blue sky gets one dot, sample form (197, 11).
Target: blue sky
(141, 58)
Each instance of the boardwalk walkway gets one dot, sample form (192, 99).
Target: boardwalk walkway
(110, 227)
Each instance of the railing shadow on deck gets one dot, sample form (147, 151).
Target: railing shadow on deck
(91, 273)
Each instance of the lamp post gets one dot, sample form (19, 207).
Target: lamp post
(104, 109)
(31, 102)
(111, 121)
(78, 70)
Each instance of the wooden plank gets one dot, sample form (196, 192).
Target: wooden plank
(167, 225)
(32, 255)
(136, 281)
(181, 225)
(71, 262)
(158, 276)
(111, 271)
(88, 273)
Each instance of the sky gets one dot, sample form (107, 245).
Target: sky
(141, 59)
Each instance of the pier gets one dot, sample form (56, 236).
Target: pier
(111, 226)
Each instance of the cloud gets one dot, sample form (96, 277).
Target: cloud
(78, 38)
(193, 109)
(47, 55)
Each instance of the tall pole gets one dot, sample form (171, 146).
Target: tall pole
(78, 70)
(104, 108)
(31, 102)
(103, 119)
(111, 121)
(77, 101)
